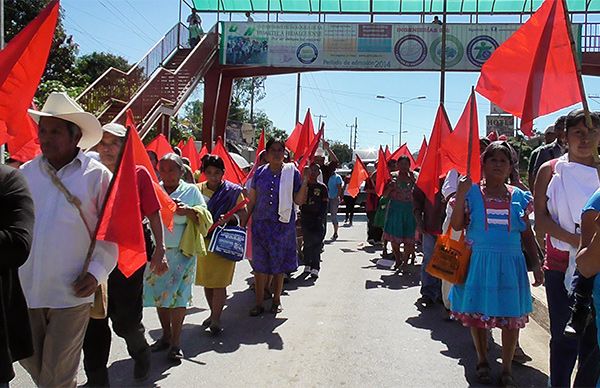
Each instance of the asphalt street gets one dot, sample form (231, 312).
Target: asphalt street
(356, 326)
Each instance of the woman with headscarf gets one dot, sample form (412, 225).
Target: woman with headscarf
(496, 290)
(275, 190)
(171, 292)
(215, 272)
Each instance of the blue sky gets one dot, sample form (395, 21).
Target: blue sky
(131, 27)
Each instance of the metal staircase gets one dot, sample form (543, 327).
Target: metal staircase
(157, 86)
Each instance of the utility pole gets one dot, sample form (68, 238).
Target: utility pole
(297, 100)
(252, 100)
(319, 126)
(353, 128)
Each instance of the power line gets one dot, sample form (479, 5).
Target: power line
(143, 17)
(126, 22)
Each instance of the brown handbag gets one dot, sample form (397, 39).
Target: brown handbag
(99, 308)
(450, 258)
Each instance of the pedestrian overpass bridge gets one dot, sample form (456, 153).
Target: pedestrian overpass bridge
(158, 85)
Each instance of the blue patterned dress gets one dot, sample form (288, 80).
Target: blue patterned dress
(273, 242)
(496, 291)
(174, 288)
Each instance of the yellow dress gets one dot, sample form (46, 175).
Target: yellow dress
(213, 270)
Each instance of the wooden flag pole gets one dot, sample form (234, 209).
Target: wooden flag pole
(586, 109)
(471, 125)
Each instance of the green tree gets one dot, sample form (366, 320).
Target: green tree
(90, 67)
(341, 150)
(245, 94)
(64, 50)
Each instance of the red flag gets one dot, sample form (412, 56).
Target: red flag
(22, 63)
(302, 136)
(181, 144)
(382, 176)
(167, 206)
(160, 145)
(189, 151)
(404, 151)
(121, 216)
(233, 172)
(203, 151)
(422, 152)
(310, 154)
(533, 73)
(428, 180)
(359, 175)
(455, 149)
(387, 153)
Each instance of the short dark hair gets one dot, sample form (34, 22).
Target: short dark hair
(560, 123)
(501, 146)
(212, 161)
(272, 141)
(404, 158)
(578, 115)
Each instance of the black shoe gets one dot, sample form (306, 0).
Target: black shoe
(175, 354)
(256, 311)
(141, 369)
(424, 301)
(215, 329)
(581, 315)
(159, 345)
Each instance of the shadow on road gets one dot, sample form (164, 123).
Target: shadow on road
(460, 347)
(397, 280)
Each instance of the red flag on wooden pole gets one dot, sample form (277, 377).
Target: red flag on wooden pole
(404, 151)
(431, 170)
(22, 63)
(160, 145)
(422, 152)
(534, 72)
(189, 151)
(455, 149)
(121, 220)
(310, 154)
(167, 206)
(233, 172)
(382, 176)
(359, 175)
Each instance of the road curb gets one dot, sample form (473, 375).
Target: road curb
(540, 307)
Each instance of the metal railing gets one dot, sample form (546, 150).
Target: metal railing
(120, 85)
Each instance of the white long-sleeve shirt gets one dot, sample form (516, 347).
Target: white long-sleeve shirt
(60, 238)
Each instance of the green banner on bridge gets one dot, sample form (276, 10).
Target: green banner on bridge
(374, 46)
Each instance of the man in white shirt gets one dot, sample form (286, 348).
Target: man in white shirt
(58, 298)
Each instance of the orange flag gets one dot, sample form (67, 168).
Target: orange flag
(533, 73)
(189, 151)
(22, 63)
(455, 150)
(383, 173)
(121, 216)
(359, 175)
(310, 154)
(404, 151)
(167, 206)
(431, 170)
(160, 145)
(233, 172)
(422, 152)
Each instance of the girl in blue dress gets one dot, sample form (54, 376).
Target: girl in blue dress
(588, 258)
(496, 291)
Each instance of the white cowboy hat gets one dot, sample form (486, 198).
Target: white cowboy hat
(63, 107)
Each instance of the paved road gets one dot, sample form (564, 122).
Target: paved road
(355, 326)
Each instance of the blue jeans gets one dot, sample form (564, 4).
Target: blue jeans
(564, 351)
(430, 285)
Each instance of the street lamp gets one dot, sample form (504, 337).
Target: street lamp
(389, 133)
(401, 103)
